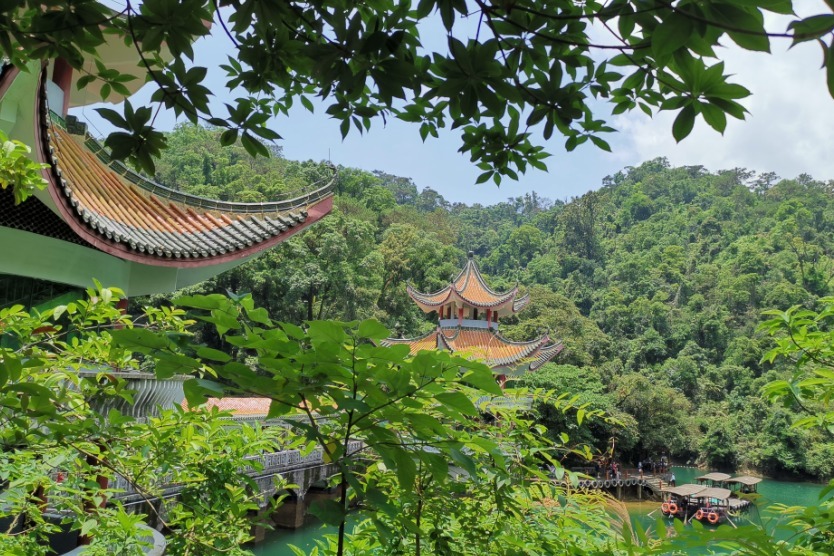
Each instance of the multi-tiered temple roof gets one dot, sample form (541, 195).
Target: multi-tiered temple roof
(98, 218)
(468, 311)
(470, 289)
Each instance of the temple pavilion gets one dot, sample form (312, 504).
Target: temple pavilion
(468, 311)
(99, 219)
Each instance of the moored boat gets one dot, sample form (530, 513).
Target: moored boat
(713, 505)
(744, 484)
(713, 479)
(680, 501)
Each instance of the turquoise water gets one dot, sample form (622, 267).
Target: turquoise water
(277, 543)
(772, 492)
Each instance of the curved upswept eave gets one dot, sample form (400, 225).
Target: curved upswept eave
(492, 348)
(125, 215)
(468, 288)
(471, 287)
(429, 301)
(545, 355)
(427, 341)
(520, 303)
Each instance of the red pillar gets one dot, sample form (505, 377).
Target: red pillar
(489, 318)
(460, 316)
(62, 76)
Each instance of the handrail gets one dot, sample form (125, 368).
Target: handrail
(272, 463)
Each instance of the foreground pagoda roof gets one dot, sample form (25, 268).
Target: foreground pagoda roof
(123, 214)
(469, 288)
(97, 218)
(484, 345)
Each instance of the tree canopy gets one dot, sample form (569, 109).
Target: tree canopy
(658, 278)
(509, 73)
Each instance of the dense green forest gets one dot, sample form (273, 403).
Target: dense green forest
(656, 283)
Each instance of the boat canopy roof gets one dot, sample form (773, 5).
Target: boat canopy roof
(685, 490)
(717, 493)
(714, 477)
(745, 480)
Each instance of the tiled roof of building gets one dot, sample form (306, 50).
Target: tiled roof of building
(484, 345)
(469, 288)
(425, 342)
(127, 215)
(490, 347)
(238, 406)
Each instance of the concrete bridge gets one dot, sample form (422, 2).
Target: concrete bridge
(305, 480)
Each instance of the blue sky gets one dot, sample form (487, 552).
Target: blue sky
(790, 130)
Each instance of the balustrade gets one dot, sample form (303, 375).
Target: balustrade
(273, 463)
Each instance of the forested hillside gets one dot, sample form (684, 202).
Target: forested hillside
(656, 283)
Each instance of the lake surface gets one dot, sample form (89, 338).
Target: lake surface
(771, 491)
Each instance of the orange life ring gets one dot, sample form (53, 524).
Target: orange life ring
(712, 517)
(664, 508)
(699, 515)
(673, 508)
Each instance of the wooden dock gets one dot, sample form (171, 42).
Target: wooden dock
(654, 484)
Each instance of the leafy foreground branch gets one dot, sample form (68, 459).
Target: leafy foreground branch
(434, 476)
(507, 75)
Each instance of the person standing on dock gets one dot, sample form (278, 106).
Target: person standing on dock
(672, 480)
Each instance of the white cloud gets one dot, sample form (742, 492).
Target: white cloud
(790, 128)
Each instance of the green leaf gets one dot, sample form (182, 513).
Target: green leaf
(197, 390)
(228, 137)
(213, 354)
(212, 301)
(714, 116)
(672, 34)
(113, 117)
(483, 379)
(758, 42)
(406, 469)
(829, 69)
(373, 330)
(322, 332)
(684, 123)
(458, 401)
(139, 339)
(812, 27)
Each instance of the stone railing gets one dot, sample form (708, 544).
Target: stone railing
(273, 463)
(504, 402)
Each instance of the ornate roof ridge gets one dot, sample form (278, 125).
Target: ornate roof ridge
(119, 217)
(388, 341)
(545, 354)
(521, 302)
(458, 287)
(428, 298)
(541, 340)
(308, 195)
(470, 263)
